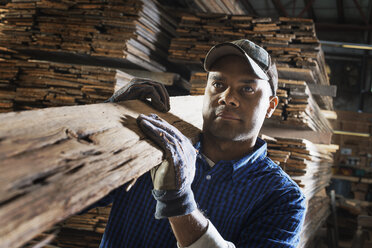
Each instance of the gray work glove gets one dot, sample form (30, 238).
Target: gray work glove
(171, 179)
(143, 89)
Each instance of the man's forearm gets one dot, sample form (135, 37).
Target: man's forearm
(188, 228)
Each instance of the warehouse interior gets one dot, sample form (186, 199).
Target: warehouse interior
(61, 59)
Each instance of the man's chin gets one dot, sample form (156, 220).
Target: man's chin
(225, 133)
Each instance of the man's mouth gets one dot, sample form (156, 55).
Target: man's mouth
(228, 116)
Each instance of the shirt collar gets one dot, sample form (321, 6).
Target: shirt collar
(250, 161)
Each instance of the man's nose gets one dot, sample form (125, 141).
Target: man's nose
(228, 98)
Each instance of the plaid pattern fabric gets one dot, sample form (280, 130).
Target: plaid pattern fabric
(251, 201)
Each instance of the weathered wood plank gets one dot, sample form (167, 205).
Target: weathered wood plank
(54, 162)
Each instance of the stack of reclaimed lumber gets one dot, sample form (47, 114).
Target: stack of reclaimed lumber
(8, 73)
(56, 53)
(296, 107)
(308, 164)
(31, 84)
(134, 31)
(85, 230)
(292, 43)
(78, 231)
(26, 83)
(317, 213)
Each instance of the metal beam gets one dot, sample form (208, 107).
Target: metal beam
(311, 11)
(368, 33)
(364, 72)
(341, 27)
(361, 11)
(249, 6)
(279, 7)
(340, 11)
(363, 83)
(346, 45)
(307, 7)
(342, 57)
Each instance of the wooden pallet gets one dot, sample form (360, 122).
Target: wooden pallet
(317, 213)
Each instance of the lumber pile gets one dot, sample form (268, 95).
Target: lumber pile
(26, 83)
(58, 53)
(292, 43)
(317, 213)
(296, 107)
(78, 231)
(85, 230)
(308, 164)
(8, 73)
(31, 84)
(135, 31)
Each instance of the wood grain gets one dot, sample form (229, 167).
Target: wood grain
(133, 31)
(57, 161)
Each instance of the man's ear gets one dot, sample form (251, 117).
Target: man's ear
(274, 100)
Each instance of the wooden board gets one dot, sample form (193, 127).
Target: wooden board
(55, 162)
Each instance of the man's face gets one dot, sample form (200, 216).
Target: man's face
(235, 100)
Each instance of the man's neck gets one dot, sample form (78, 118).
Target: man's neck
(218, 149)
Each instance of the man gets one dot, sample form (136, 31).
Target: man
(223, 191)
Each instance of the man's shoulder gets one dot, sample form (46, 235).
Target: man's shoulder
(281, 177)
(277, 181)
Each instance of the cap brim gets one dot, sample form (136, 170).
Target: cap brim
(227, 48)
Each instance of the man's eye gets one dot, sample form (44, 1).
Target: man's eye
(217, 85)
(248, 89)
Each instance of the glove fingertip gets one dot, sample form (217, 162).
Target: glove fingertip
(140, 117)
(152, 115)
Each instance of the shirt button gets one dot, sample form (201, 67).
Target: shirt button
(208, 177)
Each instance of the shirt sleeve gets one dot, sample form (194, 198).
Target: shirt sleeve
(278, 221)
(211, 239)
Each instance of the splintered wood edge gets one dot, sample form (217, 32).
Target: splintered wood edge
(60, 190)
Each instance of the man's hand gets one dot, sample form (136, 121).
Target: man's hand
(143, 89)
(172, 179)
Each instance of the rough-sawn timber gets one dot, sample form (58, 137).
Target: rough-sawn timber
(54, 162)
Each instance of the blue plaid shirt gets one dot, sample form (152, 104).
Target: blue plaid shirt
(251, 201)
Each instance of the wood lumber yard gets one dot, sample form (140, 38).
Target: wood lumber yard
(67, 144)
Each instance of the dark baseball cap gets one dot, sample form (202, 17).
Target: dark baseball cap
(257, 57)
